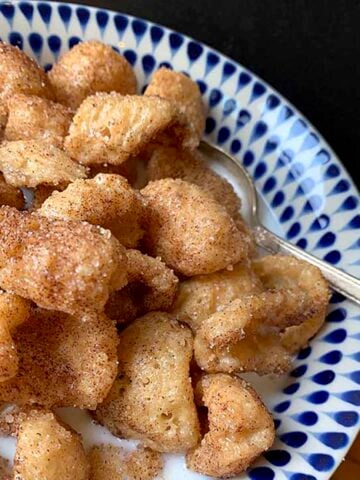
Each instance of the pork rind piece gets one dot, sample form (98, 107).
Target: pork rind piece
(60, 265)
(279, 271)
(64, 361)
(5, 469)
(14, 311)
(152, 400)
(49, 450)
(240, 427)
(110, 462)
(21, 74)
(170, 162)
(29, 163)
(260, 333)
(127, 169)
(10, 195)
(203, 295)
(183, 91)
(90, 67)
(189, 230)
(106, 200)
(110, 127)
(35, 118)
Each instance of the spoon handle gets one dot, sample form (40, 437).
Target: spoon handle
(340, 281)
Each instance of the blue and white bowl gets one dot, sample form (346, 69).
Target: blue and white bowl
(307, 195)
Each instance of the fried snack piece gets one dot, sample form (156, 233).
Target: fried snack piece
(14, 311)
(35, 118)
(47, 449)
(116, 207)
(60, 265)
(279, 271)
(201, 296)
(280, 320)
(240, 427)
(183, 91)
(10, 195)
(189, 230)
(110, 462)
(110, 128)
(152, 400)
(21, 74)
(90, 67)
(29, 163)
(64, 361)
(170, 162)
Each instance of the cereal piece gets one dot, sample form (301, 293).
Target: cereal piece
(36, 118)
(183, 91)
(10, 195)
(201, 296)
(49, 450)
(116, 207)
(64, 361)
(170, 162)
(189, 230)
(160, 281)
(14, 311)
(110, 462)
(21, 74)
(61, 265)
(110, 128)
(240, 427)
(29, 163)
(152, 400)
(279, 271)
(90, 67)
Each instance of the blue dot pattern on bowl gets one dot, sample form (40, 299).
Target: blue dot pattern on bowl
(298, 176)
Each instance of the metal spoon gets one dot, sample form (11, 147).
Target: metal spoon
(340, 281)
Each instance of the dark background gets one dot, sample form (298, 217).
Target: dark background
(309, 50)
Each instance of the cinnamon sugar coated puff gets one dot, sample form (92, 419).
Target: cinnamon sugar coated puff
(64, 361)
(36, 118)
(10, 195)
(60, 265)
(29, 163)
(47, 449)
(117, 207)
(183, 91)
(201, 296)
(152, 399)
(170, 162)
(239, 427)
(189, 230)
(280, 271)
(110, 462)
(87, 68)
(21, 74)
(14, 311)
(110, 127)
